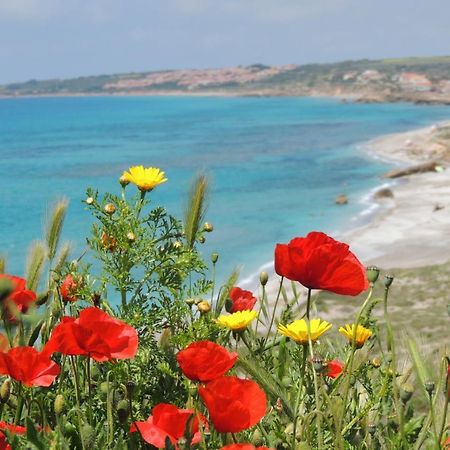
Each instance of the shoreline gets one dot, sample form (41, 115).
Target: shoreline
(409, 229)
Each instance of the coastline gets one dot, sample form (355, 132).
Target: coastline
(408, 230)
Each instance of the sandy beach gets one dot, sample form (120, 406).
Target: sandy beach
(412, 229)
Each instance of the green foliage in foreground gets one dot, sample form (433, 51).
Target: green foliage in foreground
(390, 396)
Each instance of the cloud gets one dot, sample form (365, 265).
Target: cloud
(26, 9)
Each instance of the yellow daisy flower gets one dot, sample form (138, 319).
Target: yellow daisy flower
(361, 335)
(237, 321)
(144, 178)
(298, 330)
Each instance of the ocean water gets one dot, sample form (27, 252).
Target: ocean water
(276, 164)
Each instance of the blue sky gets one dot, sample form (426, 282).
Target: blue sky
(65, 38)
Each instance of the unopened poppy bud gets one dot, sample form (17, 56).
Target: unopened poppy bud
(286, 382)
(131, 237)
(59, 404)
(371, 428)
(124, 181)
(131, 386)
(190, 301)
(208, 227)
(406, 392)
(6, 287)
(5, 391)
(109, 209)
(204, 307)
(88, 435)
(429, 387)
(372, 273)
(201, 239)
(388, 279)
(96, 297)
(214, 257)
(376, 362)
(122, 411)
(90, 200)
(317, 362)
(263, 278)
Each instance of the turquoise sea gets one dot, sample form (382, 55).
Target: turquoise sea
(276, 164)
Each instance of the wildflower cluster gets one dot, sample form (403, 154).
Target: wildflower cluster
(148, 352)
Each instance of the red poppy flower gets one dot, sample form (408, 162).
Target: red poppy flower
(94, 334)
(319, 262)
(240, 300)
(19, 299)
(243, 447)
(4, 443)
(168, 421)
(13, 429)
(27, 365)
(334, 368)
(233, 404)
(68, 289)
(205, 360)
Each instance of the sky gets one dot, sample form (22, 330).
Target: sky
(46, 39)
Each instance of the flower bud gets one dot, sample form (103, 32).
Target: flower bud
(372, 428)
(263, 278)
(177, 244)
(429, 387)
(372, 273)
(59, 404)
(208, 227)
(376, 362)
(317, 362)
(109, 242)
(214, 257)
(278, 405)
(201, 239)
(6, 287)
(124, 181)
(190, 301)
(109, 209)
(96, 297)
(131, 386)
(5, 391)
(406, 392)
(90, 200)
(122, 411)
(131, 237)
(88, 435)
(388, 279)
(204, 307)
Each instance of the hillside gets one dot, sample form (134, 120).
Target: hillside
(419, 80)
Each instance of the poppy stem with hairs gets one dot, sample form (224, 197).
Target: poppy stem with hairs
(77, 396)
(273, 312)
(308, 303)
(20, 404)
(299, 394)
(447, 400)
(88, 375)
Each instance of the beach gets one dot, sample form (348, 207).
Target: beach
(411, 229)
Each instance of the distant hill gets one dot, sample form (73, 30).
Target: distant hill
(421, 80)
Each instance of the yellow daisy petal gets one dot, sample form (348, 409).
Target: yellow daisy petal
(237, 321)
(298, 330)
(145, 179)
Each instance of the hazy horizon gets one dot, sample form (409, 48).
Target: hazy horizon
(50, 39)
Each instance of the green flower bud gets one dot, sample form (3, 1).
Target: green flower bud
(131, 237)
(131, 386)
(59, 404)
(406, 392)
(317, 362)
(208, 227)
(109, 209)
(429, 387)
(372, 428)
(372, 273)
(90, 200)
(123, 411)
(190, 301)
(388, 279)
(201, 239)
(124, 181)
(5, 391)
(214, 257)
(88, 436)
(263, 278)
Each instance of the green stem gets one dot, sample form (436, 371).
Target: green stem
(77, 396)
(298, 397)
(273, 312)
(447, 400)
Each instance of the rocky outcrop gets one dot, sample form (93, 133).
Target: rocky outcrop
(431, 166)
(341, 199)
(383, 193)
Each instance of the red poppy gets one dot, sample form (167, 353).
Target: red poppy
(240, 300)
(446, 444)
(19, 299)
(205, 360)
(334, 368)
(27, 365)
(13, 429)
(94, 334)
(319, 262)
(4, 443)
(168, 421)
(233, 404)
(68, 289)
(243, 447)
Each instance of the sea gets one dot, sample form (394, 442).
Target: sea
(275, 165)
